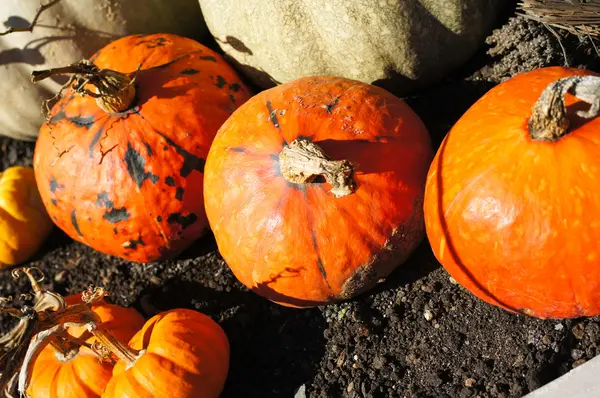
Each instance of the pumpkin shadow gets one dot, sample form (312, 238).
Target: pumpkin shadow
(274, 349)
(440, 108)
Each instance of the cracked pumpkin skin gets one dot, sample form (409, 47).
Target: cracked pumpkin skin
(83, 376)
(514, 220)
(129, 183)
(297, 244)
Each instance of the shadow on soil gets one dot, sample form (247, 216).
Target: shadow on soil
(274, 349)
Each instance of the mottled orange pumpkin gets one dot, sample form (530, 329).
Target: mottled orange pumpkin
(124, 173)
(297, 227)
(512, 198)
(181, 354)
(82, 374)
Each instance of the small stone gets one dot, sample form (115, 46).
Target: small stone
(546, 339)
(470, 382)
(453, 281)
(378, 362)
(355, 365)
(350, 387)
(559, 326)
(437, 326)
(301, 392)
(576, 354)
(60, 276)
(579, 362)
(427, 288)
(428, 315)
(578, 331)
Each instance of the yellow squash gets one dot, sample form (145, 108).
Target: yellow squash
(24, 223)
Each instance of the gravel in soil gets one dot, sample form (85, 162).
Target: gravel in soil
(418, 334)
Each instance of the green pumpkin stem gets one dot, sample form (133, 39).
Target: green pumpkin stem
(114, 91)
(302, 161)
(549, 121)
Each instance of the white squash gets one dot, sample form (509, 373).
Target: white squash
(396, 43)
(66, 33)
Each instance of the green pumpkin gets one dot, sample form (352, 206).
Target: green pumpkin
(402, 44)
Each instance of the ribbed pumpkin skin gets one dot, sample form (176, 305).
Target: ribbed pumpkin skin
(298, 245)
(130, 184)
(515, 220)
(186, 356)
(24, 223)
(83, 376)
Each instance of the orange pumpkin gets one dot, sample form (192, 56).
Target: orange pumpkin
(81, 374)
(123, 173)
(512, 199)
(302, 229)
(182, 354)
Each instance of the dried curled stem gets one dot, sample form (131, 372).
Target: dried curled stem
(580, 17)
(302, 161)
(114, 91)
(37, 15)
(549, 121)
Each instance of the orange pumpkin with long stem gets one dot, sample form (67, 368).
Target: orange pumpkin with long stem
(178, 354)
(314, 189)
(77, 372)
(512, 196)
(119, 162)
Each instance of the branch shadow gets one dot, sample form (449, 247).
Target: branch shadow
(274, 349)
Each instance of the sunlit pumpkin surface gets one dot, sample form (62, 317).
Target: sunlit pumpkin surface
(514, 220)
(185, 355)
(24, 223)
(130, 184)
(298, 244)
(83, 376)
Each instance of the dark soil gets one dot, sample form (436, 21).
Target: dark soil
(380, 344)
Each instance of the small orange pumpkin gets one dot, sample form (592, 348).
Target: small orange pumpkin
(512, 203)
(182, 354)
(297, 227)
(81, 374)
(120, 166)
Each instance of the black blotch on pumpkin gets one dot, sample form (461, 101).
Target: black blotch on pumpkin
(133, 243)
(54, 185)
(170, 181)
(95, 141)
(189, 72)
(148, 149)
(184, 221)
(272, 115)
(332, 104)
(191, 162)
(114, 216)
(54, 202)
(135, 167)
(158, 42)
(79, 121)
(102, 200)
(208, 58)
(75, 224)
(221, 82)
(232, 98)
(159, 219)
(235, 87)
(165, 148)
(179, 193)
(116, 231)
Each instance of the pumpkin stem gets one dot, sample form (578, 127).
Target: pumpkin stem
(549, 120)
(114, 91)
(108, 341)
(302, 161)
